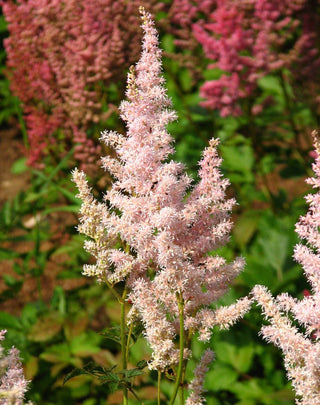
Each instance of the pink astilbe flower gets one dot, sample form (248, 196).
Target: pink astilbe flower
(196, 385)
(13, 385)
(61, 56)
(300, 346)
(246, 40)
(164, 228)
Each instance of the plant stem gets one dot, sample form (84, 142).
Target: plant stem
(123, 342)
(158, 387)
(114, 292)
(288, 102)
(135, 395)
(22, 123)
(181, 347)
(181, 395)
(187, 344)
(128, 341)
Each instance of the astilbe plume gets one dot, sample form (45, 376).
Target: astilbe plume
(163, 228)
(61, 56)
(196, 385)
(246, 40)
(13, 384)
(300, 345)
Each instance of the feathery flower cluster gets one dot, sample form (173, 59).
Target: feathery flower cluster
(12, 382)
(301, 348)
(70, 51)
(154, 231)
(196, 385)
(248, 39)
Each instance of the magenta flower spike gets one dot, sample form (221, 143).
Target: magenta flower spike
(247, 40)
(71, 51)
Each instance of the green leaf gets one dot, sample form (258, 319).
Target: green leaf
(3, 24)
(238, 158)
(244, 358)
(167, 43)
(142, 364)
(19, 166)
(7, 212)
(250, 390)
(220, 377)
(267, 164)
(29, 315)
(239, 357)
(7, 254)
(128, 374)
(70, 196)
(258, 272)
(46, 327)
(59, 353)
(85, 344)
(245, 227)
(271, 84)
(11, 281)
(112, 333)
(75, 373)
(8, 321)
(65, 208)
(105, 376)
(275, 249)
(73, 245)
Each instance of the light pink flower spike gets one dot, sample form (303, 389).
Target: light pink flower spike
(301, 347)
(165, 231)
(13, 385)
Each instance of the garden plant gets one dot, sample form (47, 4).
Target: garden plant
(183, 260)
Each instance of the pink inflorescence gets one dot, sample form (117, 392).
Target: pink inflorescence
(60, 56)
(165, 228)
(246, 40)
(300, 346)
(13, 385)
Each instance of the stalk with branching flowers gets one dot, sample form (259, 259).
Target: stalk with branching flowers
(13, 384)
(153, 233)
(300, 346)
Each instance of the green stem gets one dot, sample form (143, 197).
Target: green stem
(114, 292)
(39, 289)
(123, 342)
(181, 395)
(22, 124)
(128, 341)
(288, 102)
(187, 344)
(158, 387)
(181, 347)
(135, 395)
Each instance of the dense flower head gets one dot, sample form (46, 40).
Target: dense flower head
(13, 385)
(71, 51)
(301, 346)
(246, 40)
(163, 227)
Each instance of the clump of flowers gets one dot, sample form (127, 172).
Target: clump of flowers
(246, 40)
(154, 232)
(300, 345)
(13, 385)
(61, 57)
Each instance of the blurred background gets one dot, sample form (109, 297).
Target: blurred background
(246, 72)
